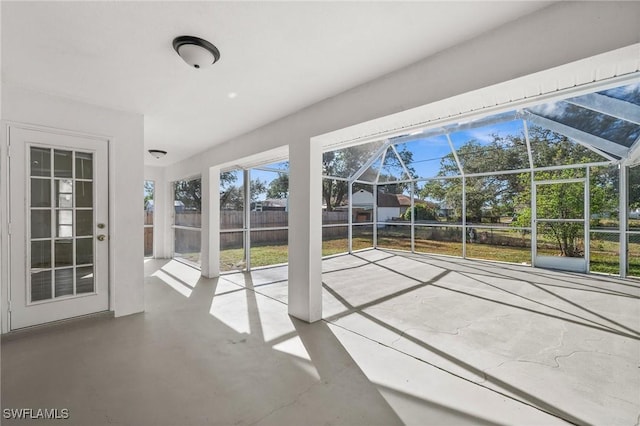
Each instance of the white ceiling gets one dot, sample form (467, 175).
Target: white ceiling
(277, 56)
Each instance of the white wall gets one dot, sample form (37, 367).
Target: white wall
(126, 134)
(387, 213)
(362, 198)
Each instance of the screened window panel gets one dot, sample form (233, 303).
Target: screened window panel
(232, 200)
(188, 203)
(604, 194)
(232, 253)
(270, 198)
(629, 93)
(430, 157)
(347, 161)
(595, 123)
(362, 237)
(445, 197)
(335, 239)
(493, 148)
(269, 247)
(505, 245)
(445, 240)
(187, 245)
(549, 148)
(392, 169)
(604, 250)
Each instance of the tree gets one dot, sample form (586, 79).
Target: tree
(189, 192)
(279, 187)
(510, 194)
(342, 163)
(232, 194)
(148, 192)
(495, 193)
(346, 162)
(422, 212)
(634, 187)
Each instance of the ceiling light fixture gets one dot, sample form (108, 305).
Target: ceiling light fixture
(196, 52)
(158, 153)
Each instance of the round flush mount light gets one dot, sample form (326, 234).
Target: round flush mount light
(196, 52)
(158, 153)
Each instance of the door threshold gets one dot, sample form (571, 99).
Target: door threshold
(34, 329)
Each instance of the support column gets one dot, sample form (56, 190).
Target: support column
(210, 230)
(305, 231)
(623, 210)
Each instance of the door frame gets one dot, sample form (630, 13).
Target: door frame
(5, 209)
(556, 262)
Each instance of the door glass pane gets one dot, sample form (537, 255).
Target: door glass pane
(64, 193)
(40, 224)
(560, 201)
(84, 222)
(64, 282)
(64, 223)
(84, 251)
(564, 239)
(40, 286)
(63, 253)
(84, 194)
(84, 165)
(74, 244)
(40, 162)
(84, 280)
(63, 164)
(40, 193)
(41, 254)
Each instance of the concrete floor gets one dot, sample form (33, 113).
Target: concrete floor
(407, 339)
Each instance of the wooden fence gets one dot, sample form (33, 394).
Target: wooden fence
(189, 240)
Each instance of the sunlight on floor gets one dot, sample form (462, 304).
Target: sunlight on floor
(173, 283)
(451, 340)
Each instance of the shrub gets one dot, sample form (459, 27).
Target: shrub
(422, 213)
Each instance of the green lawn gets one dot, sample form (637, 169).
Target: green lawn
(512, 248)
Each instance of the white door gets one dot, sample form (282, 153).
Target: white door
(560, 225)
(58, 226)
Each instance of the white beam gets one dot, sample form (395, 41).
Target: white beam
(210, 231)
(305, 231)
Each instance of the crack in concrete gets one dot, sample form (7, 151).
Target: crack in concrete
(297, 398)
(288, 404)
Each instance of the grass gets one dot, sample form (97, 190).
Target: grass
(508, 246)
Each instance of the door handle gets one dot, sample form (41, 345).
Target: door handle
(101, 237)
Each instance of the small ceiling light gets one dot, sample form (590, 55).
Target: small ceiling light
(158, 153)
(232, 95)
(196, 52)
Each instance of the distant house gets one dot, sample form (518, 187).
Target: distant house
(390, 206)
(270, 204)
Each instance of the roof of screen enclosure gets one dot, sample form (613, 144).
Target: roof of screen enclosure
(606, 122)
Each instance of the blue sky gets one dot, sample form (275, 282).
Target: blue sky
(427, 152)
